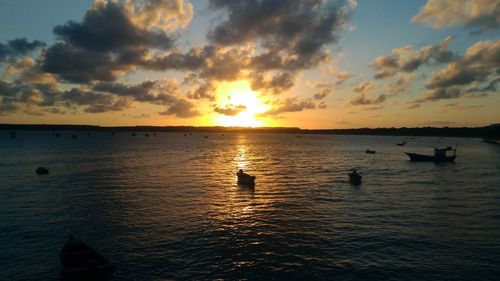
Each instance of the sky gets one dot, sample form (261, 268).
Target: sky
(312, 64)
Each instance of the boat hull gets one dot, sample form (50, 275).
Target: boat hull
(81, 262)
(415, 157)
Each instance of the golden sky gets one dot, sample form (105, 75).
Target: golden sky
(309, 63)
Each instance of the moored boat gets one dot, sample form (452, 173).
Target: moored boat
(370, 151)
(440, 155)
(354, 177)
(81, 262)
(245, 179)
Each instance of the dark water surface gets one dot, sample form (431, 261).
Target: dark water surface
(168, 207)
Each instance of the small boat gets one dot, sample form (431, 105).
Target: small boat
(354, 177)
(42, 171)
(13, 135)
(402, 143)
(81, 262)
(74, 136)
(58, 135)
(245, 179)
(185, 135)
(133, 134)
(206, 137)
(370, 151)
(440, 155)
(146, 135)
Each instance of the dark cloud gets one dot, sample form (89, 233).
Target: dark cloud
(325, 89)
(230, 110)
(406, 60)
(276, 84)
(292, 33)
(18, 47)
(479, 62)
(204, 91)
(156, 92)
(182, 109)
(94, 102)
(107, 27)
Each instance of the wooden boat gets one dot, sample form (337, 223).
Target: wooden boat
(354, 177)
(440, 155)
(245, 179)
(81, 262)
(370, 151)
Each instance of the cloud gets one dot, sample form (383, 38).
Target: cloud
(325, 89)
(155, 92)
(292, 33)
(365, 99)
(230, 110)
(276, 84)
(481, 15)
(18, 47)
(400, 85)
(479, 62)
(407, 60)
(95, 102)
(204, 91)
(289, 105)
(113, 38)
(182, 109)
(365, 87)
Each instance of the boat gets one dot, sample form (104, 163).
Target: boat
(354, 177)
(440, 155)
(245, 179)
(74, 136)
(42, 171)
(370, 151)
(492, 141)
(81, 262)
(402, 143)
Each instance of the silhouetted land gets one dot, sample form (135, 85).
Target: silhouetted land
(491, 131)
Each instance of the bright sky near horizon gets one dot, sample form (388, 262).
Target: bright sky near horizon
(295, 63)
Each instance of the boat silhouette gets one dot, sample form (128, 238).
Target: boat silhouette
(81, 262)
(440, 155)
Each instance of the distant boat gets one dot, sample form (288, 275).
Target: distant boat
(245, 179)
(42, 171)
(133, 134)
(206, 137)
(13, 135)
(74, 136)
(81, 262)
(440, 155)
(185, 135)
(354, 177)
(402, 143)
(57, 135)
(370, 151)
(147, 135)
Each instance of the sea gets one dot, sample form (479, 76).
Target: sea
(167, 206)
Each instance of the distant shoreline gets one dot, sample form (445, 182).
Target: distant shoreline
(492, 131)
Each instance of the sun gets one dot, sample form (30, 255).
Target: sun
(243, 103)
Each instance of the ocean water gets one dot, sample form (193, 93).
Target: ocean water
(167, 207)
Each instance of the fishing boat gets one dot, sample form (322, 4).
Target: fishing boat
(244, 178)
(354, 177)
(440, 155)
(370, 151)
(81, 262)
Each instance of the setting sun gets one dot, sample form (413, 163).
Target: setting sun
(238, 105)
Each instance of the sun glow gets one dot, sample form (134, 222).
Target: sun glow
(242, 105)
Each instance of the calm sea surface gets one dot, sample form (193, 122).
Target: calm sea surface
(167, 207)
